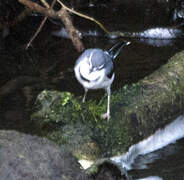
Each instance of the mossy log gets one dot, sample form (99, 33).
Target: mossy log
(136, 110)
(152, 102)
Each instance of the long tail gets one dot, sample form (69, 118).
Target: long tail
(116, 49)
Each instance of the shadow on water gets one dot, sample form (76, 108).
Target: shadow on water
(157, 157)
(136, 61)
(169, 164)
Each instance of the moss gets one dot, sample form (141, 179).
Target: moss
(79, 126)
(57, 107)
(136, 110)
(78, 139)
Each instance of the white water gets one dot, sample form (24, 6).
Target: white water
(161, 33)
(161, 138)
(151, 178)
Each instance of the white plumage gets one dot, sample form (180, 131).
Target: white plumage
(94, 70)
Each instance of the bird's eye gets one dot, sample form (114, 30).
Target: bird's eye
(94, 69)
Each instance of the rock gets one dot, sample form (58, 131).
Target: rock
(69, 128)
(33, 158)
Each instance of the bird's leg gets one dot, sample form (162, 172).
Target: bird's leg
(107, 114)
(85, 93)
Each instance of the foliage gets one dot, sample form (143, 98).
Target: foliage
(56, 107)
(79, 126)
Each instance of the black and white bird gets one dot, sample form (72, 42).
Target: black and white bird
(94, 69)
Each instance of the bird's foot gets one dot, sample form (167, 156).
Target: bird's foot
(106, 116)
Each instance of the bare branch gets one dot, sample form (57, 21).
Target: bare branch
(63, 15)
(41, 25)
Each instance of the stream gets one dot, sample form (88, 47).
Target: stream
(158, 156)
(142, 57)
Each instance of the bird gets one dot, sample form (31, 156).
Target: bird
(94, 69)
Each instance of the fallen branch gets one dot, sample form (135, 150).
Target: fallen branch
(36, 7)
(113, 34)
(61, 14)
(84, 16)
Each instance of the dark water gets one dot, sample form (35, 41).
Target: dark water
(136, 61)
(157, 157)
(139, 59)
(168, 166)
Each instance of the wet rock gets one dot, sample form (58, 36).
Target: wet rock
(31, 158)
(63, 112)
(108, 171)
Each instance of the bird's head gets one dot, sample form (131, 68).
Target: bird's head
(96, 60)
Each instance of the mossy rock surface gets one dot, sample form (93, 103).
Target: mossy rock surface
(78, 126)
(136, 112)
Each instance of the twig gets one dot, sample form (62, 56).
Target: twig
(42, 23)
(36, 33)
(84, 16)
(112, 34)
(36, 7)
(63, 15)
(46, 4)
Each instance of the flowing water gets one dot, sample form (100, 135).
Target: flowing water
(158, 156)
(142, 57)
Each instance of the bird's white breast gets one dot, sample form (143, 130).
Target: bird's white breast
(85, 72)
(96, 79)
